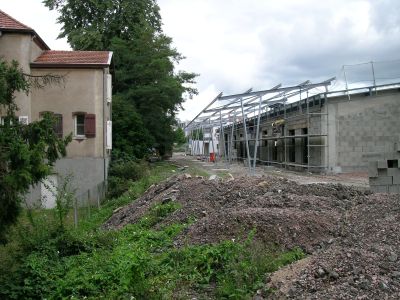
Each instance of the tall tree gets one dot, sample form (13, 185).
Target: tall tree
(27, 152)
(148, 88)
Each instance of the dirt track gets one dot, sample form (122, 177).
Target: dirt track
(350, 234)
(238, 169)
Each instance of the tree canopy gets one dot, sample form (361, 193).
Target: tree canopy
(27, 152)
(148, 89)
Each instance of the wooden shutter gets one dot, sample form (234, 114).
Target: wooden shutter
(58, 125)
(90, 125)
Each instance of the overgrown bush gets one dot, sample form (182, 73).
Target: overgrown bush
(121, 175)
(129, 169)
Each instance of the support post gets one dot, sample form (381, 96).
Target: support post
(198, 141)
(327, 131)
(76, 212)
(345, 80)
(284, 133)
(256, 142)
(98, 196)
(203, 146)
(212, 142)
(231, 144)
(88, 202)
(373, 77)
(245, 135)
(222, 135)
(308, 134)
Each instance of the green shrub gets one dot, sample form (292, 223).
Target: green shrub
(122, 174)
(129, 169)
(116, 186)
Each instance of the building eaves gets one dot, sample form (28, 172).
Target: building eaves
(9, 24)
(73, 59)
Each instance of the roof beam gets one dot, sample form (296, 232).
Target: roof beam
(285, 89)
(211, 103)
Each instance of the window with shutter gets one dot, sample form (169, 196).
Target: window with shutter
(90, 125)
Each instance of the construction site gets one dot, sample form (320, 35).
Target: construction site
(312, 127)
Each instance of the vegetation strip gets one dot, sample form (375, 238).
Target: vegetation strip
(140, 261)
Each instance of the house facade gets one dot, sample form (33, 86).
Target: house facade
(81, 105)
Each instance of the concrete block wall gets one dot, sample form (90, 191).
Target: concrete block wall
(384, 174)
(362, 129)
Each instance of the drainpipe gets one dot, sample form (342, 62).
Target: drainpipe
(104, 125)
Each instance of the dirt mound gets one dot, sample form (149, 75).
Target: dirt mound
(361, 263)
(353, 235)
(281, 211)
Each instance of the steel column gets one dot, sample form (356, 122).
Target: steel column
(257, 135)
(245, 135)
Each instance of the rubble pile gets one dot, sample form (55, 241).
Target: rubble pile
(351, 236)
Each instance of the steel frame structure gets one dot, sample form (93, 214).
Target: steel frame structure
(230, 111)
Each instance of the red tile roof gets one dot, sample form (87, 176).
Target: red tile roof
(73, 58)
(8, 22)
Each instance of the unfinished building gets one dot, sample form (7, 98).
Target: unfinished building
(308, 127)
(325, 132)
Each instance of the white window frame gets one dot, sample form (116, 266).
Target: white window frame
(23, 120)
(76, 135)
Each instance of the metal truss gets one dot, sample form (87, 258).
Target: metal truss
(229, 111)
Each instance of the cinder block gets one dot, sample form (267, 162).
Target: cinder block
(395, 189)
(382, 164)
(372, 169)
(382, 172)
(392, 155)
(396, 179)
(373, 164)
(372, 156)
(379, 188)
(392, 172)
(381, 180)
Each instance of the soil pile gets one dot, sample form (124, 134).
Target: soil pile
(353, 235)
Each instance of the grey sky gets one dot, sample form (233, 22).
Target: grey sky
(236, 44)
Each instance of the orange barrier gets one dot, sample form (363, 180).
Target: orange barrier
(212, 157)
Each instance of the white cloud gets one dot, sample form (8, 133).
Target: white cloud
(256, 43)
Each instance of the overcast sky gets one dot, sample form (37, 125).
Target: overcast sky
(238, 44)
